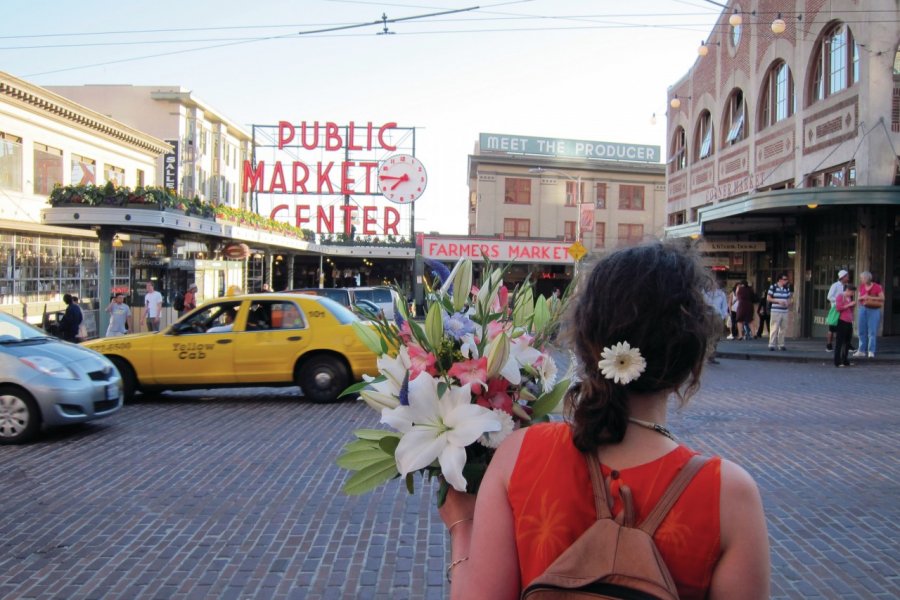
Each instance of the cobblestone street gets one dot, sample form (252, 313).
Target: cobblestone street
(234, 494)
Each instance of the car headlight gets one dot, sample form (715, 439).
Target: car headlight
(49, 366)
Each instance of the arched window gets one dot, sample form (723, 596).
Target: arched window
(678, 159)
(835, 62)
(703, 137)
(734, 118)
(777, 99)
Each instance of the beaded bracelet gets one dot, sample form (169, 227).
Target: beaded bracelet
(453, 564)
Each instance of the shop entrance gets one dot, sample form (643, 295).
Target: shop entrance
(831, 247)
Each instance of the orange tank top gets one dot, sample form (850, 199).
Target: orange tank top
(553, 504)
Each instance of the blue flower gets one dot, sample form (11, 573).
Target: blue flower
(404, 391)
(459, 325)
(438, 269)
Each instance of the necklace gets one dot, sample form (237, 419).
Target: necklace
(654, 427)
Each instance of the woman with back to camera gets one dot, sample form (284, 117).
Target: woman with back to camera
(536, 498)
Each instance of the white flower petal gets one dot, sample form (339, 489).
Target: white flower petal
(453, 459)
(418, 449)
(399, 418)
(622, 363)
(468, 423)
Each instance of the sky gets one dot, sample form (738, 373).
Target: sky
(577, 69)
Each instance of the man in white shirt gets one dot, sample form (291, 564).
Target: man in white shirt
(153, 307)
(719, 303)
(836, 289)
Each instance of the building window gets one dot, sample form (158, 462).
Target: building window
(679, 150)
(599, 234)
(631, 197)
(516, 228)
(140, 178)
(10, 162)
(48, 168)
(600, 197)
(695, 212)
(569, 228)
(734, 118)
(630, 233)
(838, 176)
(518, 191)
(703, 140)
(114, 174)
(778, 102)
(677, 218)
(836, 62)
(84, 170)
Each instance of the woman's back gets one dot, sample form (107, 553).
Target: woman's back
(552, 502)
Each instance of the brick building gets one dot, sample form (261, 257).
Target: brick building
(782, 148)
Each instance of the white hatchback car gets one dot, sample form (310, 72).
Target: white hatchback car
(45, 381)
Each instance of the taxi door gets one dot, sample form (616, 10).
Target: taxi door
(277, 333)
(187, 354)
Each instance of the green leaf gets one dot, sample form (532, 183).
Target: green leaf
(375, 434)
(366, 480)
(360, 386)
(388, 444)
(361, 459)
(547, 402)
(358, 445)
(524, 308)
(410, 483)
(368, 336)
(442, 388)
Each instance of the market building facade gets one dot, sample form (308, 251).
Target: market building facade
(782, 149)
(531, 196)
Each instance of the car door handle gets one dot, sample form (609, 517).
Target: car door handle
(223, 341)
(295, 338)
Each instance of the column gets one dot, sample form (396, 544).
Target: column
(104, 279)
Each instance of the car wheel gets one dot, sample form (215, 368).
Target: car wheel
(20, 418)
(129, 381)
(323, 378)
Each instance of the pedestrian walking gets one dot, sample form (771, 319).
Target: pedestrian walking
(762, 312)
(871, 301)
(716, 298)
(119, 316)
(152, 307)
(71, 319)
(780, 296)
(836, 289)
(744, 311)
(732, 307)
(844, 304)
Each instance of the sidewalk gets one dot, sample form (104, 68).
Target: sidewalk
(804, 350)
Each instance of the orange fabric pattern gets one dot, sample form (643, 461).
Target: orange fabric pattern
(553, 503)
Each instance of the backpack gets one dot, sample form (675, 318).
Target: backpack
(179, 302)
(612, 559)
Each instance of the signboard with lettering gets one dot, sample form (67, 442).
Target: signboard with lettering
(496, 143)
(729, 246)
(521, 251)
(170, 167)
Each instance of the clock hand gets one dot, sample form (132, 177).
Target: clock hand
(389, 177)
(401, 180)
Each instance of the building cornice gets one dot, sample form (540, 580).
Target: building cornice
(526, 162)
(44, 102)
(187, 99)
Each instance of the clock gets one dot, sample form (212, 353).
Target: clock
(402, 178)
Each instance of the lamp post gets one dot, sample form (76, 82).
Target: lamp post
(577, 181)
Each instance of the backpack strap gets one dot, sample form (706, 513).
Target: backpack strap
(672, 493)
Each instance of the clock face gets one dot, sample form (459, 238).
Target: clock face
(402, 178)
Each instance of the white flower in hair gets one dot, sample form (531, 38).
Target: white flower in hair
(622, 363)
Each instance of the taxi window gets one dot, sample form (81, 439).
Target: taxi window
(286, 315)
(342, 314)
(382, 296)
(213, 315)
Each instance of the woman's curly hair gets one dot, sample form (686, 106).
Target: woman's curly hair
(653, 297)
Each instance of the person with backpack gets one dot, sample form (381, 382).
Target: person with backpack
(609, 499)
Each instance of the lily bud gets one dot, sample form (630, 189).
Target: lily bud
(434, 326)
(541, 314)
(368, 336)
(497, 355)
(524, 308)
(491, 287)
(462, 283)
(378, 401)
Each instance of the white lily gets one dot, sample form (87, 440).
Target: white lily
(521, 353)
(438, 428)
(386, 394)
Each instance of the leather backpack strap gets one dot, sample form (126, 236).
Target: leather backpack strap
(672, 493)
(601, 497)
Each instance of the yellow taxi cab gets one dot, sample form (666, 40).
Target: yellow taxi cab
(255, 339)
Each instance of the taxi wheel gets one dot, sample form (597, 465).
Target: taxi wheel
(323, 378)
(20, 418)
(129, 381)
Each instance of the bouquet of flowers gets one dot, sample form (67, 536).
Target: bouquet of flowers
(452, 389)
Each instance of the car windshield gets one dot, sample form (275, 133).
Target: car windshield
(342, 314)
(13, 329)
(382, 295)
